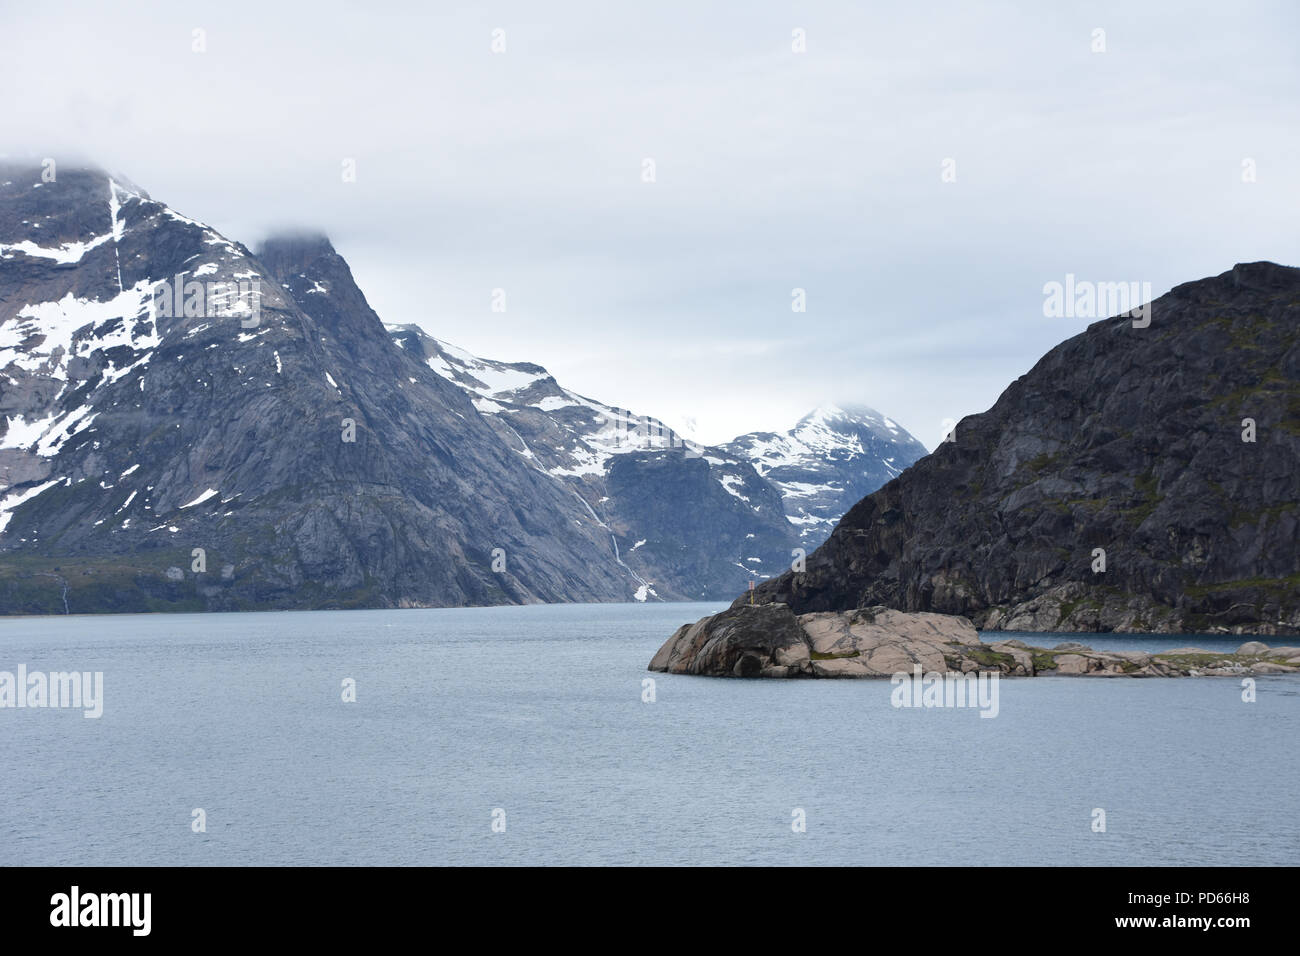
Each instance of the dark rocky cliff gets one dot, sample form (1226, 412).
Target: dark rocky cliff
(1124, 439)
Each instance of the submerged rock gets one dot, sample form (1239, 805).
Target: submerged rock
(770, 640)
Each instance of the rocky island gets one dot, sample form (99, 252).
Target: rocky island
(770, 640)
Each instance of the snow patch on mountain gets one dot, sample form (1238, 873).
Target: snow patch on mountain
(201, 498)
(42, 337)
(9, 502)
(596, 431)
(69, 252)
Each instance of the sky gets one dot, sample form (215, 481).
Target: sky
(920, 171)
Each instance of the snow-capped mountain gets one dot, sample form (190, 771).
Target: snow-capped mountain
(185, 424)
(583, 434)
(833, 456)
(691, 521)
(262, 447)
(831, 459)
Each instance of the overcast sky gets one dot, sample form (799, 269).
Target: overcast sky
(774, 170)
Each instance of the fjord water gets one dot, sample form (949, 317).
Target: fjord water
(538, 711)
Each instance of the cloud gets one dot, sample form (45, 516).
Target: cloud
(773, 171)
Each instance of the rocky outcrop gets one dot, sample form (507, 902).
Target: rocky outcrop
(770, 640)
(1170, 450)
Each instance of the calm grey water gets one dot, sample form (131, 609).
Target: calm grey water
(538, 711)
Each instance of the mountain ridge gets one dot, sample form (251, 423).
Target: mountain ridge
(1136, 478)
(205, 404)
(312, 454)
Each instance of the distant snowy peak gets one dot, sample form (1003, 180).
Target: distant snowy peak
(589, 432)
(696, 520)
(486, 377)
(828, 423)
(831, 434)
(833, 457)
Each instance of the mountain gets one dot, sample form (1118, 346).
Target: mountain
(806, 477)
(1173, 448)
(818, 469)
(690, 521)
(277, 431)
(828, 462)
(187, 424)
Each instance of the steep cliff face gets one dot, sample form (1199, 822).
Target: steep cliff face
(156, 451)
(708, 538)
(1122, 440)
